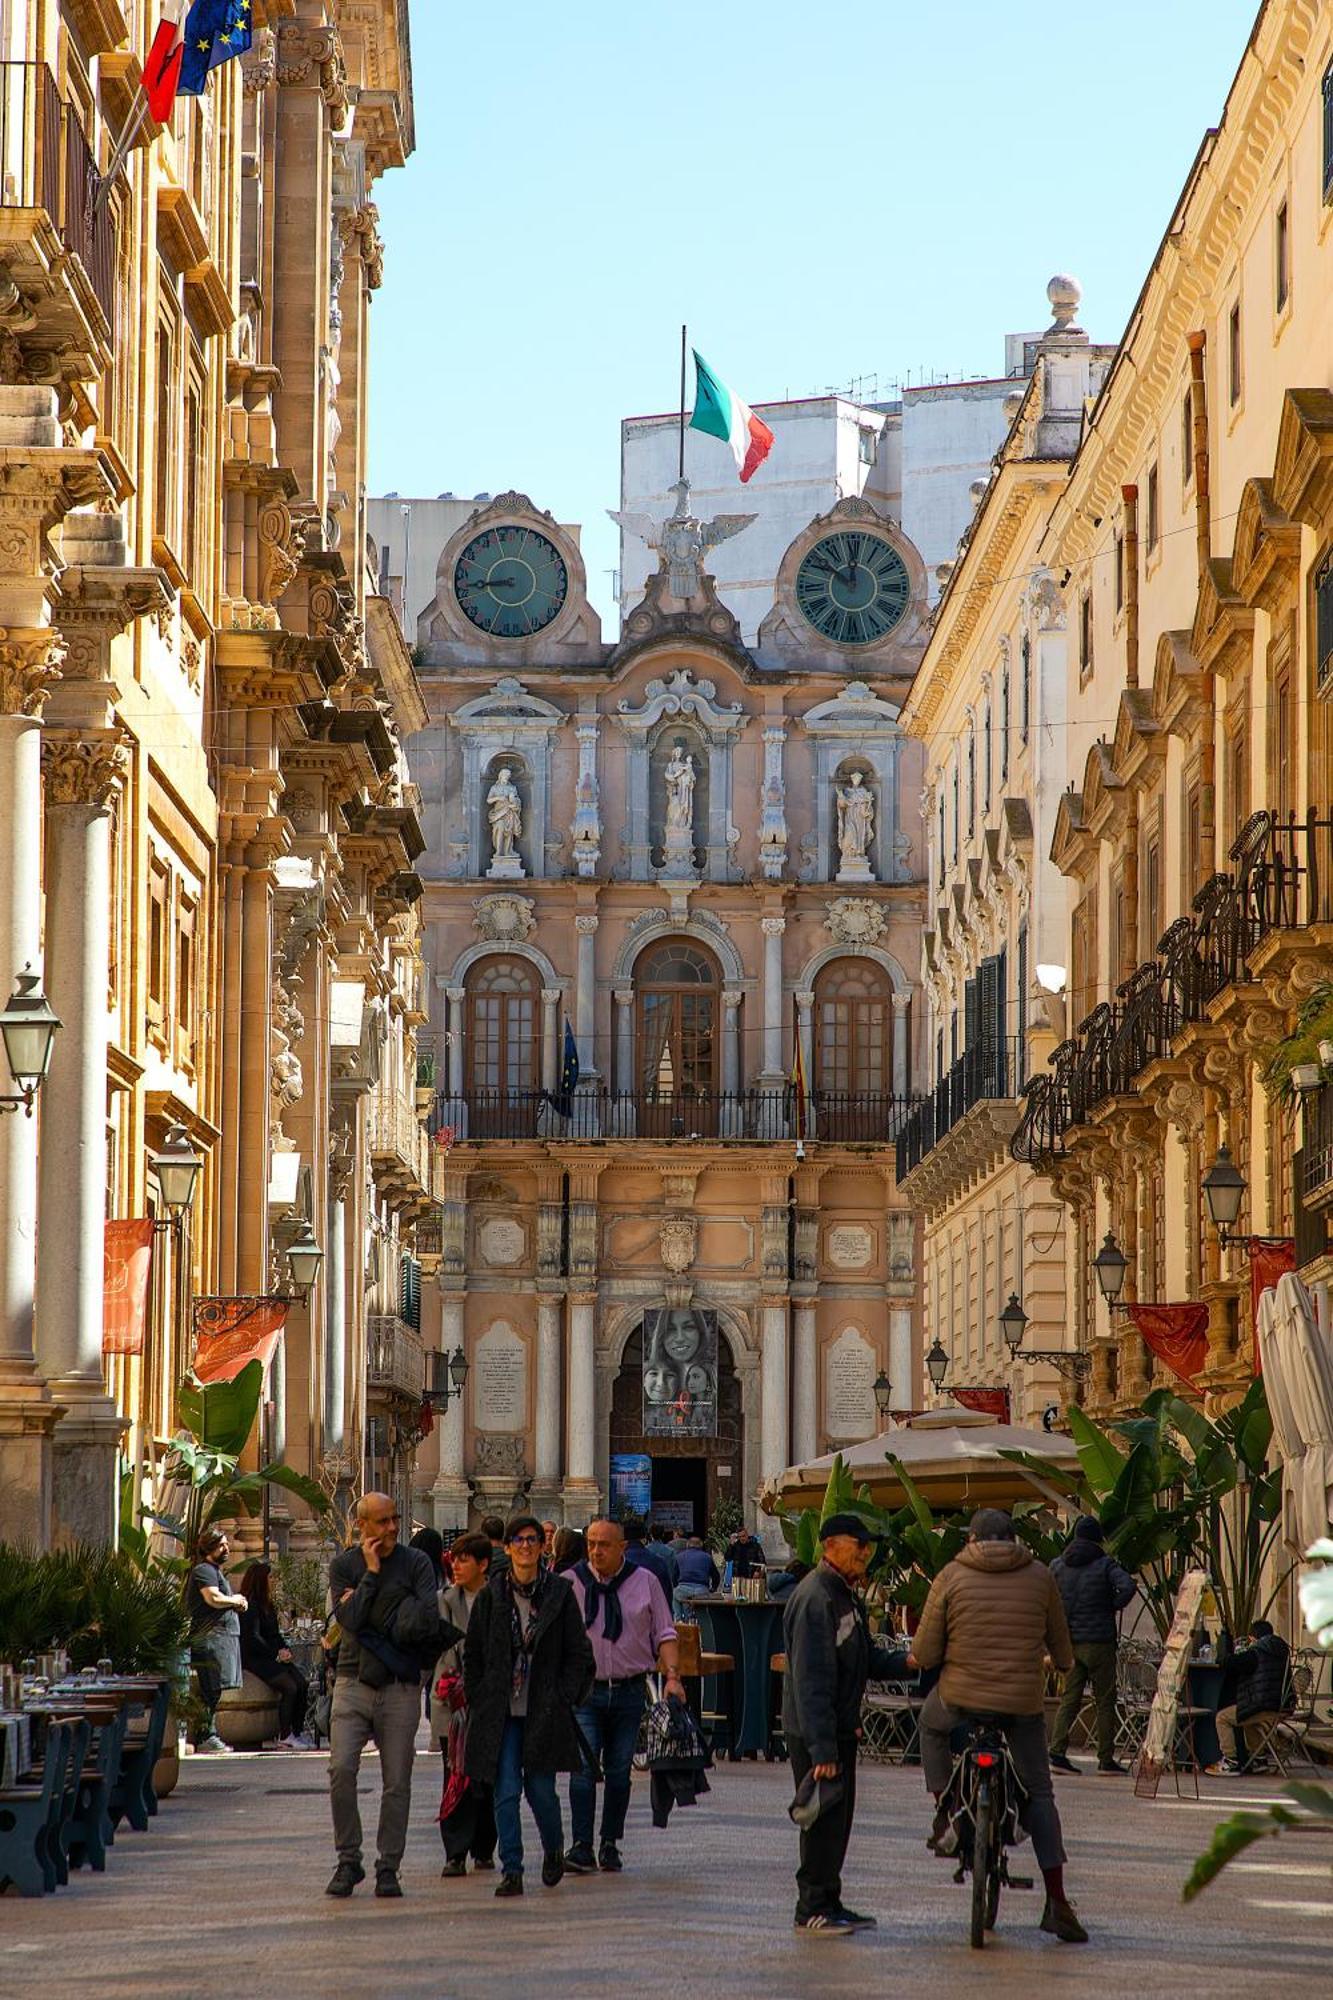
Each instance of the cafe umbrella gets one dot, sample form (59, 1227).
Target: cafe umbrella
(955, 1460)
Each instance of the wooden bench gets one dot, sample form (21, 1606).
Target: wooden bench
(696, 1667)
(33, 1815)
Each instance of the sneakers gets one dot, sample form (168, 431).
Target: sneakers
(1113, 1770)
(345, 1878)
(553, 1868)
(212, 1746)
(580, 1860)
(295, 1742)
(1059, 1920)
(509, 1885)
(1226, 1767)
(458, 1866)
(826, 1924)
(608, 1858)
(1063, 1764)
(387, 1883)
(857, 1921)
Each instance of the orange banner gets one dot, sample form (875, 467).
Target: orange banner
(1177, 1335)
(991, 1402)
(127, 1262)
(228, 1332)
(1270, 1258)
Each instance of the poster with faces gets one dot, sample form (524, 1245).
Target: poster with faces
(680, 1372)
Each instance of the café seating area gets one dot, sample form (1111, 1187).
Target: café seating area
(77, 1756)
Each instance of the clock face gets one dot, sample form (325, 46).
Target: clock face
(853, 587)
(510, 582)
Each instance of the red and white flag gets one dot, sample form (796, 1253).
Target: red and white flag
(161, 72)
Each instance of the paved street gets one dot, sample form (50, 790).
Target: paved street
(224, 1898)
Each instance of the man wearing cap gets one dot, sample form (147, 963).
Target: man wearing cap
(830, 1657)
(992, 1616)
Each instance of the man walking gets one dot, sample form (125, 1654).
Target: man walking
(830, 1657)
(1094, 1590)
(386, 1604)
(626, 1617)
(527, 1664)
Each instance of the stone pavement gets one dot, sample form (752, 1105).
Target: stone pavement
(223, 1901)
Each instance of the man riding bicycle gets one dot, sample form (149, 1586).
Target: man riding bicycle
(991, 1618)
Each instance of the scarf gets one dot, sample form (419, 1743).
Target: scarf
(598, 1591)
(523, 1641)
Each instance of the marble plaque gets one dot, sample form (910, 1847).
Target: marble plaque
(500, 1380)
(500, 1241)
(849, 1247)
(850, 1369)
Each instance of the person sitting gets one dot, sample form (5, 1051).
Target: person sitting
(696, 1574)
(266, 1654)
(1262, 1680)
(782, 1582)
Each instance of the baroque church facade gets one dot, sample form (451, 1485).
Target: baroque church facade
(672, 909)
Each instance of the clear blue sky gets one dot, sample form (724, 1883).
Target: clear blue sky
(821, 195)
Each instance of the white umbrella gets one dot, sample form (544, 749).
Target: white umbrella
(1298, 1378)
(952, 1456)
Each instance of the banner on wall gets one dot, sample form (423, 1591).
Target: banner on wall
(1177, 1335)
(631, 1484)
(1271, 1257)
(992, 1402)
(680, 1372)
(228, 1332)
(127, 1263)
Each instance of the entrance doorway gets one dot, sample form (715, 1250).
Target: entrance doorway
(687, 1472)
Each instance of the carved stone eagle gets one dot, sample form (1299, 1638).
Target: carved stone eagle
(682, 539)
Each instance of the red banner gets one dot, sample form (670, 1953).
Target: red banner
(127, 1260)
(1177, 1335)
(228, 1332)
(1271, 1257)
(994, 1402)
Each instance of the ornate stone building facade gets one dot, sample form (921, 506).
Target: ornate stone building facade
(682, 861)
(209, 830)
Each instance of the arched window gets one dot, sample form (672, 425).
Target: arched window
(853, 1048)
(501, 1050)
(677, 1007)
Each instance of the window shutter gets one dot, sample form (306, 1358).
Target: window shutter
(409, 1293)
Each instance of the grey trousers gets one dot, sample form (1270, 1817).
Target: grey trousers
(388, 1717)
(1027, 1747)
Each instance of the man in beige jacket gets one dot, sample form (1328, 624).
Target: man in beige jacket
(992, 1617)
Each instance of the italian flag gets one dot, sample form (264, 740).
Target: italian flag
(720, 412)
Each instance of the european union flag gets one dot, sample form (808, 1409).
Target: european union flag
(214, 32)
(562, 1100)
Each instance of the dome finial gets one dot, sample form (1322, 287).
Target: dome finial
(1065, 295)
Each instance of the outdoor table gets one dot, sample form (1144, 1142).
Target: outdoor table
(1205, 1693)
(750, 1633)
(15, 1749)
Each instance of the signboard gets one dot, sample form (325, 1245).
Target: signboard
(1159, 1739)
(680, 1372)
(849, 1386)
(675, 1514)
(500, 1379)
(631, 1483)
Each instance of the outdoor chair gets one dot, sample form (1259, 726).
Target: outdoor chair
(697, 1669)
(1286, 1737)
(1137, 1661)
(891, 1721)
(33, 1815)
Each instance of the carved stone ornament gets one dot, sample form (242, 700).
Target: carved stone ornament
(503, 919)
(29, 663)
(678, 1235)
(81, 771)
(855, 920)
(501, 1452)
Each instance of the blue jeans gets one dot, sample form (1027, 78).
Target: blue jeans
(610, 1721)
(512, 1783)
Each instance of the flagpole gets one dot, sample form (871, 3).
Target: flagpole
(680, 474)
(118, 158)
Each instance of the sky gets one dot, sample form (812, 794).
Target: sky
(821, 196)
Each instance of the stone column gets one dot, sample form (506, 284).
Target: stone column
(774, 1407)
(550, 1037)
(805, 1028)
(902, 1053)
(625, 1079)
(546, 1465)
(457, 998)
(773, 928)
(585, 990)
(341, 1167)
(581, 1494)
(450, 1496)
(731, 1043)
(805, 1383)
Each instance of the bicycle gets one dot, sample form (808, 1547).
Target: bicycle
(983, 1805)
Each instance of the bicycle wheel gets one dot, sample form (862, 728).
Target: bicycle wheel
(981, 1862)
(992, 1891)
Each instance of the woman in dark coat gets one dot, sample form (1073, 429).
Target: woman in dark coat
(527, 1664)
(266, 1654)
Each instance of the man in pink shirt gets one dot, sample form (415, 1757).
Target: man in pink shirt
(626, 1617)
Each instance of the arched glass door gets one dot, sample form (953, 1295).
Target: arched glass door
(853, 1049)
(677, 1004)
(501, 1070)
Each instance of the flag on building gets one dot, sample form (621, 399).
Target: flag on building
(215, 32)
(229, 1332)
(720, 412)
(127, 1262)
(800, 1089)
(562, 1099)
(162, 71)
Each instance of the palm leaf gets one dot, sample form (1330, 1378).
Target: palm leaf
(1102, 1462)
(1231, 1838)
(222, 1414)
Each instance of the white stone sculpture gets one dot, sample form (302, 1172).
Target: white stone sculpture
(682, 540)
(504, 811)
(856, 827)
(680, 790)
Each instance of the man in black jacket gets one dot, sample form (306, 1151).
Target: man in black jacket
(830, 1657)
(1262, 1674)
(385, 1599)
(1094, 1590)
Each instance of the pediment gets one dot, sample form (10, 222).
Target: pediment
(850, 713)
(1266, 554)
(681, 694)
(1303, 463)
(1071, 846)
(510, 703)
(1103, 787)
(1177, 700)
(1015, 827)
(1223, 634)
(1138, 734)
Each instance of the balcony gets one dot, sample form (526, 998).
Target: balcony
(56, 245)
(757, 1116)
(395, 1358)
(1275, 904)
(977, 1099)
(399, 1149)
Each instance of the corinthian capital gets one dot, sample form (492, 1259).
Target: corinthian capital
(29, 666)
(82, 770)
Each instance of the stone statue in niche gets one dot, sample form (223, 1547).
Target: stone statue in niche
(504, 811)
(680, 791)
(856, 827)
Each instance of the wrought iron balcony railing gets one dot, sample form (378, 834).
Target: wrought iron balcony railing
(1281, 880)
(757, 1115)
(395, 1358)
(47, 163)
(992, 1071)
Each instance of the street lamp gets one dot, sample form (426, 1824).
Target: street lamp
(937, 1364)
(1224, 1190)
(883, 1393)
(28, 1028)
(448, 1377)
(1013, 1323)
(177, 1169)
(1110, 1265)
(1065, 1360)
(304, 1257)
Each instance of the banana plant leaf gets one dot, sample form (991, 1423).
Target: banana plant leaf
(291, 1481)
(222, 1414)
(1102, 1462)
